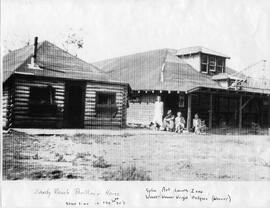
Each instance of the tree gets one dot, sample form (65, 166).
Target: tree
(73, 41)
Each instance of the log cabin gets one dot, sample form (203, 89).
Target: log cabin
(46, 87)
(191, 80)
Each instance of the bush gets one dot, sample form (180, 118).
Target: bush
(101, 163)
(55, 174)
(128, 174)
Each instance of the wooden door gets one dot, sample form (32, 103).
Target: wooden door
(74, 105)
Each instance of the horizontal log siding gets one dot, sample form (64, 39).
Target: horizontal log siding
(124, 109)
(6, 106)
(21, 104)
(90, 119)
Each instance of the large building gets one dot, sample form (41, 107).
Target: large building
(44, 86)
(191, 80)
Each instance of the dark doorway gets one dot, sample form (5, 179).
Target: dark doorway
(74, 105)
(171, 102)
(175, 102)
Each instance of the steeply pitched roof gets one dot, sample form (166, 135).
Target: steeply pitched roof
(143, 71)
(54, 62)
(14, 59)
(199, 49)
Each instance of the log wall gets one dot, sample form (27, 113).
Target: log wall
(6, 106)
(21, 116)
(16, 104)
(90, 117)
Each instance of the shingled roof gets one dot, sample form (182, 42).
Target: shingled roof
(143, 71)
(53, 61)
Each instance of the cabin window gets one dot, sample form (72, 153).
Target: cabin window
(41, 100)
(106, 104)
(41, 95)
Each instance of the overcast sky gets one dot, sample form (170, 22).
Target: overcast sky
(110, 28)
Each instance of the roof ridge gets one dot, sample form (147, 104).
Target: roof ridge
(132, 54)
(26, 59)
(12, 63)
(31, 54)
(46, 41)
(19, 49)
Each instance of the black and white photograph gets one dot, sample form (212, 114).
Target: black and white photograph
(135, 90)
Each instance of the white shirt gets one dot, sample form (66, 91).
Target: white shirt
(158, 112)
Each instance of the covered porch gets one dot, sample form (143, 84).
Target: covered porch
(221, 110)
(225, 109)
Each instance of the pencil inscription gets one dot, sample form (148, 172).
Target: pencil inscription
(184, 194)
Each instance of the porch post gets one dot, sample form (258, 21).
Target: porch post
(189, 112)
(269, 114)
(240, 112)
(211, 111)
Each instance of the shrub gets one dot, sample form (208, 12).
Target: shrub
(127, 174)
(101, 163)
(55, 174)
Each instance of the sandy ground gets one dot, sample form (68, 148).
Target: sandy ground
(135, 156)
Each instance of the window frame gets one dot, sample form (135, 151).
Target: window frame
(204, 63)
(48, 108)
(51, 92)
(222, 66)
(106, 93)
(181, 103)
(108, 110)
(212, 65)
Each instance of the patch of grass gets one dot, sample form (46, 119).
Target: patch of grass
(186, 165)
(101, 163)
(55, 174)
(224, 176)
(126, 135)
(99, 140)
(234, 141)
(82, 155)
(19, 156)
(72, 176)
(127, 174)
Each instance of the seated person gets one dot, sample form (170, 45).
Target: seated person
(203, 127)
(179, 123)
(197, 124)
(168, 122)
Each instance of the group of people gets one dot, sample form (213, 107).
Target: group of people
(172, 123)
